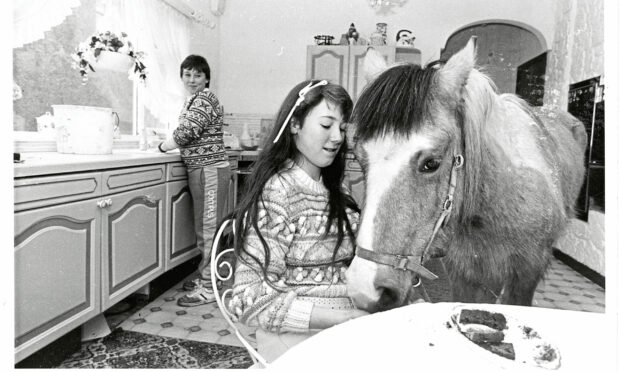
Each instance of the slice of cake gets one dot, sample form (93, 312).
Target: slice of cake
(481, 333)
(502, 349)
(494, 320)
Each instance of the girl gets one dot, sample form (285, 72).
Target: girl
(296, 224)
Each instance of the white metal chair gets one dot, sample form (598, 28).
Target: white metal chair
(226, 228)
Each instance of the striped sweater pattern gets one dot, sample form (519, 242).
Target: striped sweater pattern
(199, 133)
(293, 221)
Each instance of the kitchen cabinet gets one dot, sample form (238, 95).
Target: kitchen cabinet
(181, 240)
(354, 179)
(343, 64)
(132, 241)
(57, 271)
(90, 230)
(83, 242)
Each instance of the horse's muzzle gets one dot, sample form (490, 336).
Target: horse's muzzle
(375, 288)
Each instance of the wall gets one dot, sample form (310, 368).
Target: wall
(500, 50)
(577, 50)
(578, 54)
(263, 42)
(206, 40)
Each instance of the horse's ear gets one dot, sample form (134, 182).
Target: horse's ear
(374, 64)
(453, 76)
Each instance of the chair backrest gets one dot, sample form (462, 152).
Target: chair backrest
(223, 271)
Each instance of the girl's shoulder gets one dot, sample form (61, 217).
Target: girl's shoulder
(280, 183)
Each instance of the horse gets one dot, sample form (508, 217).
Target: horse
(455, 170)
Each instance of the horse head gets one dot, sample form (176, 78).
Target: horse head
(414, 151)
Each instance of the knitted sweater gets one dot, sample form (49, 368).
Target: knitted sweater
(292, 221)
(199, 134)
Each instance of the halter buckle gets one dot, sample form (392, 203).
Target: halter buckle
(458, 161)
(402, 263)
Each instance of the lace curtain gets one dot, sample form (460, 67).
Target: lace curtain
(31, 18)
(164, 35)
(154, 27)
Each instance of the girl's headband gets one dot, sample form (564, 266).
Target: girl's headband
(302, 94)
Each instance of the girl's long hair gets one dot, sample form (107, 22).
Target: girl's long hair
(271, 161)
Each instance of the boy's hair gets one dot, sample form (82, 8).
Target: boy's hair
(272, 159)
(198, 63)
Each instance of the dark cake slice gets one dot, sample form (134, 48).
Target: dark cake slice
(494, 320)
(476, 334)
(502, 349)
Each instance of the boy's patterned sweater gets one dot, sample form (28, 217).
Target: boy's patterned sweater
(199, 134)
(292, 221)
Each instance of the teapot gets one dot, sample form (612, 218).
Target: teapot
(45, 122)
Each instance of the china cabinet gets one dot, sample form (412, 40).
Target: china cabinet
(343, 64)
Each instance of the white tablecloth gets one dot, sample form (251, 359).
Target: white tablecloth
(415, 338)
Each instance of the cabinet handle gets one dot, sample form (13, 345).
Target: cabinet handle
(102, 204)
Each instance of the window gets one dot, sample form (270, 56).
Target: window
(42, 69)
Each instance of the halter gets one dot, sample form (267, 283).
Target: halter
(413, 263)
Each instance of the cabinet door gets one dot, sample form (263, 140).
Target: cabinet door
(226, 188)
(132, 241)
(180, 237)
(329, 62)
(354, 179)
(56, 272)
(357, 80)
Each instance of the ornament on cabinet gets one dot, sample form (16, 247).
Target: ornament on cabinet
(404, 38)
(353, 34)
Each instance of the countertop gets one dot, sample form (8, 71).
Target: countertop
(46, 163)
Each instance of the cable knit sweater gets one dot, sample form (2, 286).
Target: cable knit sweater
(292, 221)
(199, 134)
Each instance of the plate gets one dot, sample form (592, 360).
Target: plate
(528, 344)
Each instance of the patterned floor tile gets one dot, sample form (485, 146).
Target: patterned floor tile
(149, 328)
(204, 336)
(160, 317)
(232, 340)
(214, 324)
(174, 331)
(185, 322)
(593, 308)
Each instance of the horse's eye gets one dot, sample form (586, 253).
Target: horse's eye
(430, 165)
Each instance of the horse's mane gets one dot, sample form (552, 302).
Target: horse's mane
(396, 102)
(478, 98)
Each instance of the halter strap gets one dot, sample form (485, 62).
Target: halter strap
(457, 162)
(414, 262)
(399, 262)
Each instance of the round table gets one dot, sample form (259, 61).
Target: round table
(416, 338)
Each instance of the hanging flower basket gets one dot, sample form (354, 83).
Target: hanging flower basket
(111, 61)
(106, 51)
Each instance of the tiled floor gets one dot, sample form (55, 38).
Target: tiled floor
(563, 288)
(199, 323)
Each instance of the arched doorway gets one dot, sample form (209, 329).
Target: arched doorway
(501, 47)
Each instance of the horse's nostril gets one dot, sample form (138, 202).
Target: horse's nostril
(389, 299)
